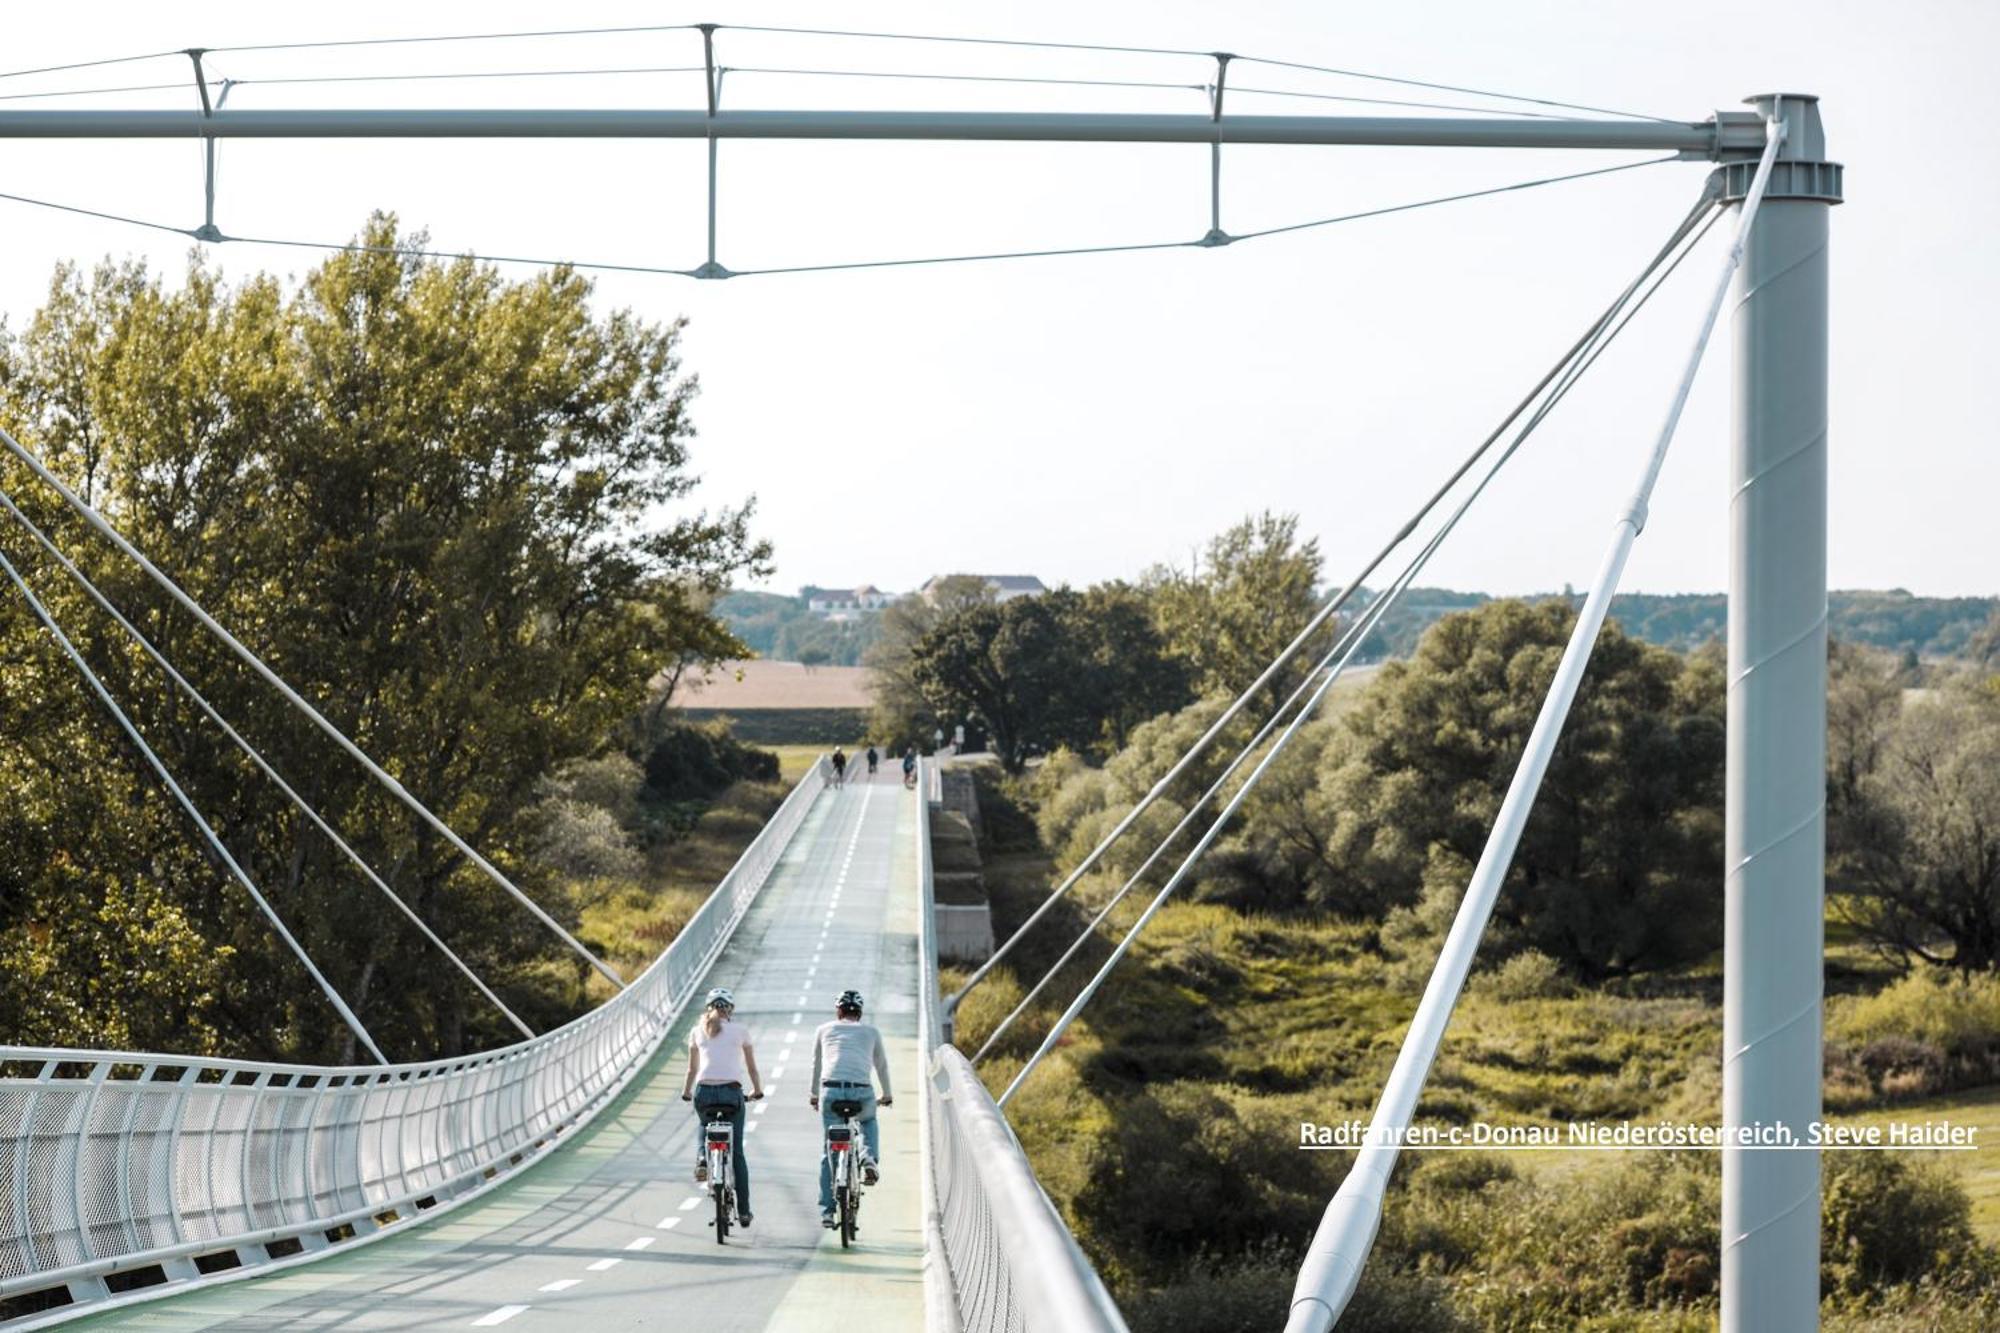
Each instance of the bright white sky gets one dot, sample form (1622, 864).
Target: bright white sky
(1082, 418)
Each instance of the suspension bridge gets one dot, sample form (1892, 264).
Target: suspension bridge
(547, 1183)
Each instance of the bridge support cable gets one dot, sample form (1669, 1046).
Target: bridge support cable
(291, 794)
(1564, 364)
(1336, 658)
(181, 798)
(293, 697)
(1346, 1233)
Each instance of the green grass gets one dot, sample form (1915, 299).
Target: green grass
(794, 760)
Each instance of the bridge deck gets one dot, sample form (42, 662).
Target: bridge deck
(610, 1232)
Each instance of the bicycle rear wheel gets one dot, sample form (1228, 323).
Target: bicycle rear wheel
(721, 1213)
(846, 1217)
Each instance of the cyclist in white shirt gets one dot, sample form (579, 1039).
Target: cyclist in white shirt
(719, 1060)
(845, 1052)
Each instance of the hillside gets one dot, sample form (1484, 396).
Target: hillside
(1931, 628)
(780, 627)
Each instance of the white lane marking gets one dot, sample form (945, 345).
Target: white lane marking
(802, 999)
(753, 1127)
(603, 1264)
(791, 1036)
(499, 1316)
(641, 1243)
(797, 1015)
(560, 1284)
(762, 1107)
(666, 1223)
(695, 1202)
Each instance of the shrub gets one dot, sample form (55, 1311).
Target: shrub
(1528, 975)
(1890, 1219)
(585, 842)
(692, 761)
(1929, 1032)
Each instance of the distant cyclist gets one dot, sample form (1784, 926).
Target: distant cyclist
(839, 766)
(873, 759)
(910, 767)
(719, 1059)
(845, 1052)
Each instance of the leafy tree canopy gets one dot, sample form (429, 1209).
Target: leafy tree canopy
(432, 498)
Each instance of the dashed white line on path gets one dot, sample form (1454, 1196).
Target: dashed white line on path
(797, 1015)
(641, 1243)
(499, 1316)
(603, 1264)
(560, 1284)
(695, 1202)
(791, 1036)
(753, 1127)
(664, 1224)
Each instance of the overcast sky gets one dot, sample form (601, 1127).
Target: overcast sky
(1082, 418)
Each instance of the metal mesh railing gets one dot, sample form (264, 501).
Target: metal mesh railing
(113, 1161)
(1010, 1261)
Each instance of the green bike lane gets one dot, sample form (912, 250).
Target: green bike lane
(608, 1231)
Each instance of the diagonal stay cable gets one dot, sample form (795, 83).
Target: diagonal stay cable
(1451, 88)
(1204, 55)
(466, 74)
(1331, 607)
(966, 78)
(178, 86)
(187, 805)
(457, 37)
(1454, 198)
(601, 266)
(970, 41)
(1335, 658)
(1396, 101)
(1278, 746)
(96, 213)
(1346, 1233)
(305, 807)
(93, 64)
(298, 701)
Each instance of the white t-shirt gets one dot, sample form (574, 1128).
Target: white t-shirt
(720, 1058)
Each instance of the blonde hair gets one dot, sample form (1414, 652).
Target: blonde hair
(713, 1018)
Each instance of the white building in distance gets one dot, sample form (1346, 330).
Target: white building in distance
(1004, 587)
(845, 603)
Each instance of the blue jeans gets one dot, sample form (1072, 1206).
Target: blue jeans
(721, 1094)
(827, 1119)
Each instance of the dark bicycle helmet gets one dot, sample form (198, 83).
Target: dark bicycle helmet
(849, 999)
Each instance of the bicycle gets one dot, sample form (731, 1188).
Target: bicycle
(845, 1146)
(718, 1138)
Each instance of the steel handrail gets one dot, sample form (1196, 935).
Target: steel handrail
(124, 1160)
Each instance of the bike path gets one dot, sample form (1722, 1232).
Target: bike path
(609, 1230)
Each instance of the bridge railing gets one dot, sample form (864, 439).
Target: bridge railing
(1009, 1260)
(121, 1171)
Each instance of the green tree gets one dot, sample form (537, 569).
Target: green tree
(902, 715)
(431, 498)
(1059, 669)
(1250, 596)
(1016, 666)
(1618, 868)
(1919, 843)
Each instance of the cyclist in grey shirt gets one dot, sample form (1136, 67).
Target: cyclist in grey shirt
(845, 1053)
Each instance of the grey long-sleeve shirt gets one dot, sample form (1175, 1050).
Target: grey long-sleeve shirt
(846, 1051)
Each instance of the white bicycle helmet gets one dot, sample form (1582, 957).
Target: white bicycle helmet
(720, 998)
